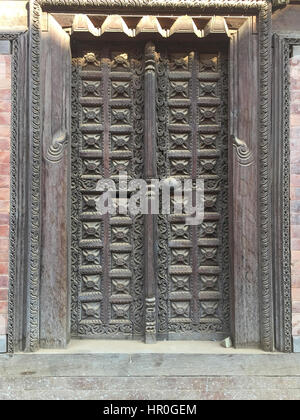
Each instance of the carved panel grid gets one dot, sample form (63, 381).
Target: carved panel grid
(106, 250)
(193, 275)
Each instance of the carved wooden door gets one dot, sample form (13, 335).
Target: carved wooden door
(154, 111)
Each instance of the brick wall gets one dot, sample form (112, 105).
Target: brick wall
(5, 103)
(295, 187)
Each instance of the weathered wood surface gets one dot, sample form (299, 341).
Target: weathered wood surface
(244, 164)
(55, 123)
(287, 19)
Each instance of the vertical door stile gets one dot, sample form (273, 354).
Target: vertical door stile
(106, 173)
(150, 173)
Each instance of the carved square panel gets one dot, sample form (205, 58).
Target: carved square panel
(210, 201)
(208, 229)
(120, 234)
(181, 205)
(180, 310)
(91, 230)
(209, 282)
(120, 142)
(179, 90)
(120, 116)
(91, 141)
(91, 115)
(209, 309)
(208, 141)
(90, 283)
(180, 256)
(208, 115)
(180, 282)
(179, 141)
(120, 260)
(120, 311)
(179, 115)
(120, 165)
(207, 166)
(180, 231)
(120, 286)
(89, 203)
(208, 63)
(180, 167)
(120, 89)
(208, 89)
(91, 256)
(91, 166)
(208, 255)
(90, 310)
(91, 88)
(179, 62)
(120, 62)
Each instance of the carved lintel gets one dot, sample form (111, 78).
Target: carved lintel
(244, 154)
(56, 150)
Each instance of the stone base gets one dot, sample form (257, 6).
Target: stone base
(150, 376)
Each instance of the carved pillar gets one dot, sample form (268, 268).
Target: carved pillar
(55, 145)
(150, 173)
(243, 163)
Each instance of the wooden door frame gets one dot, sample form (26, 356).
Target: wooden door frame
(281, 188)
(31, 279)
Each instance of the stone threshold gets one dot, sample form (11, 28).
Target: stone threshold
(91, 346)
(149, 365)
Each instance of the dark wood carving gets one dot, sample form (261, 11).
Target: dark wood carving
(185, 136)
(150, 173)
(193, 279)
(107, 138)
(31, 276)
(243, 202)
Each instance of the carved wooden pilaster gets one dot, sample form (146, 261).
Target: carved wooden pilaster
(150, 172)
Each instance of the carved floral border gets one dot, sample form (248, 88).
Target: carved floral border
(13, 37)
(264, 9)
(282, 244)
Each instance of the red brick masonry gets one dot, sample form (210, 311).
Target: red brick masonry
(5, 109)
(295, 190)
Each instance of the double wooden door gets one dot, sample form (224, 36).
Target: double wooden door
(152, 110)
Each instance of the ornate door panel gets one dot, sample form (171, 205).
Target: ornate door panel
(193, 267)
(107, 268)
(113, 111)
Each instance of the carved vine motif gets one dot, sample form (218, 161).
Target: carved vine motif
(75, 185)
(34, 248)
(226, 5)
(14, 38)
(267, 337)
